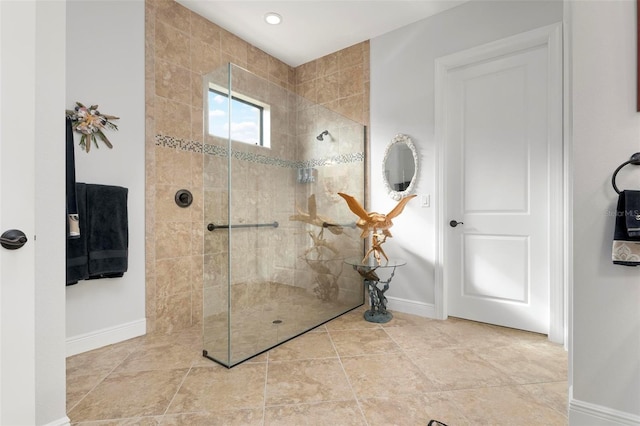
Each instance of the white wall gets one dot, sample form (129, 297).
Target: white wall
(402, 101)
(105, 66)
(606, 131)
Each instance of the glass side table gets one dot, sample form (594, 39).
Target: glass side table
(378, 312)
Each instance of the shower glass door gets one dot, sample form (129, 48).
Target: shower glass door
(278, 161)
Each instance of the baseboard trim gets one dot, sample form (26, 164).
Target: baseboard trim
(65, 421)
(411, 307)
(587, 414)
(106, 336)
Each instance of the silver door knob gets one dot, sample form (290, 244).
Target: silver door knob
(455, 223)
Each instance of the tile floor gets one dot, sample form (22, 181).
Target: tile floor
(346, 372)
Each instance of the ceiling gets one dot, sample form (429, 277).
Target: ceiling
(311, 29)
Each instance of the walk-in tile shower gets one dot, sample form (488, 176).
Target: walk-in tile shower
(276, 230)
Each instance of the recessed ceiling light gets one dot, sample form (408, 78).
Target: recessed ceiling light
(272, 18)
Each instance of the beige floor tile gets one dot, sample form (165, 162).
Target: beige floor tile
(458, 369)
(307, 346)
(415, 409)
(293, 382)
(351, 321)
(363, 342)
(102, 360)
(420, 338)
(165, 355)
(251, 417)
(472, 334)
(129, 394)
(505, 405)
(385, 375)
(348, 371)
(554, 394)
(400, 319)
(79, 386)
(343, 413)
(218, 388)
(526, 362)
(134, 421)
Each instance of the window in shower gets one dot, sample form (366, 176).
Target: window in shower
(249, 122)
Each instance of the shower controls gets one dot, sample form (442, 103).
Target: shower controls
(184, 198)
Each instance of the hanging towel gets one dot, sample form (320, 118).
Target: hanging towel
(107, 228)
(101, 249)
(626, 237)
(73, 225)
(77, 256)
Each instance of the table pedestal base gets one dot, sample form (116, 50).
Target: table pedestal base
(376, 316)
(372, 282)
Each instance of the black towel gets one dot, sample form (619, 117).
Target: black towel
(77, 255)
(626, 236)
(101, 251)
(73, 230)
(107, 227)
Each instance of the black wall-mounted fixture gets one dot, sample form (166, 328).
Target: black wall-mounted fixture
(13, 239)
(184, 198)
(635, 160)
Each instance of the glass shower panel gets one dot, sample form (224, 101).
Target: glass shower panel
(215, 178)
(289, 230)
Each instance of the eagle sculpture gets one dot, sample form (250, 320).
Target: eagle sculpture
(376, 223)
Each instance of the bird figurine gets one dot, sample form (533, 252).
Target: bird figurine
(374, 222)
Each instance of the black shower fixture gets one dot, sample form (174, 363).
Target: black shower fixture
(321, 136)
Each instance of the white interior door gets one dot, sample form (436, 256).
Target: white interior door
(498, 182)
(32, 160)
(17, 281)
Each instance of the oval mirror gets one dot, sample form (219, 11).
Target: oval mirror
(400, 167)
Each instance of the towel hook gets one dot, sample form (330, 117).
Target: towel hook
(635, 160)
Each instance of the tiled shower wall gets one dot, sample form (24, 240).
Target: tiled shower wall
(181, 47)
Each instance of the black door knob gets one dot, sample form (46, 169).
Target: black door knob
(455, 223)
(13, 239)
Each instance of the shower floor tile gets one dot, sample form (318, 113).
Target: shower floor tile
(347, 372)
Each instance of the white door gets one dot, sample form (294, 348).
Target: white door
(500, 113)
(17, 282)
(32, 162)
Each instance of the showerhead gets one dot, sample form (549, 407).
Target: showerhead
(321, 136)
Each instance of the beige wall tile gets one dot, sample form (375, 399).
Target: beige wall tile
(173, 82)
(306, 72)
(174, 14)
(173, 239)
(205, 30)
(351, 56)
(180, 47)
(173, 276)
(258, 62)
(351, 81)
(173, 312)
(328, 88)
(234, 45)
(173, 118)
(171, 44)
(205, 57)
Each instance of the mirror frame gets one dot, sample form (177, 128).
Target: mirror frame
(398, 195)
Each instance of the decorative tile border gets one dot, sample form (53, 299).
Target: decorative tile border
(221, 151)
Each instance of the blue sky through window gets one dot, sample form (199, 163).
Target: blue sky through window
(245, 120)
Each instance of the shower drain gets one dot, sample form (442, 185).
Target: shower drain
(277, 321)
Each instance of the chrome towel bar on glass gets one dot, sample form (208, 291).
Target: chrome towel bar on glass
(213, 227)
(635, 160)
